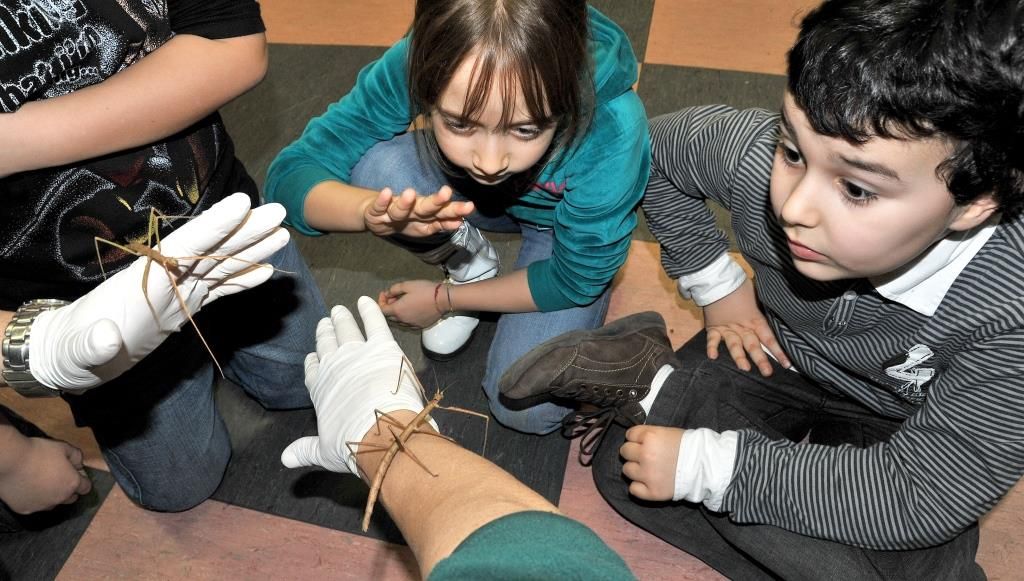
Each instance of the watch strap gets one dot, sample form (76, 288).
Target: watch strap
(16, 345)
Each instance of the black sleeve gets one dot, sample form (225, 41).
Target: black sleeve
(215, 19)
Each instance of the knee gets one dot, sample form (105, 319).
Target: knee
(395, 164)
(540, 420)
(174, 488)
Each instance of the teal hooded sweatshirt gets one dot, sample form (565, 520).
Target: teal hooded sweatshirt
(589, 196)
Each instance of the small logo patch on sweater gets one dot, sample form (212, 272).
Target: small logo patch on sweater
(912, 378)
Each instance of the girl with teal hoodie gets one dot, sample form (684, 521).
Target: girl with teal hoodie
(523, 119)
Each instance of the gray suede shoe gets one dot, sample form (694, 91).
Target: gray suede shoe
(610, 368)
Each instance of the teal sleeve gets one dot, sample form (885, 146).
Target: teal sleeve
(532, 545)
(375, 110)
(595, 219)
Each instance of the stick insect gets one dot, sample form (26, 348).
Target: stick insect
(172, 265)
(401, 437)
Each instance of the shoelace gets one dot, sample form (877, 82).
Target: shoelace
(590, 427)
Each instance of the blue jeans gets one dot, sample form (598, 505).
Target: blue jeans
(158, 425)
(395, 164)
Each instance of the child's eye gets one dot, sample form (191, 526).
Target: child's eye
(855, 194)
(458, 127)
(790, 155)
(526, 132)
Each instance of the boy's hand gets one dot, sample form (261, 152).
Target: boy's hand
(651, 453)
(413, 303)
(736, 320)
(40, 474)
(412, 215)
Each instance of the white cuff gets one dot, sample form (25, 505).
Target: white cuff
(704, 467)
(712, 282)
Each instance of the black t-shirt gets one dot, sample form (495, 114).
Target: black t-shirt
(51, 217)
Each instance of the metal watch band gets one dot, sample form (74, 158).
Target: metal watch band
(17, 337)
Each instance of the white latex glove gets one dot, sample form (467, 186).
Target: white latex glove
(348, 378)
(105, 332)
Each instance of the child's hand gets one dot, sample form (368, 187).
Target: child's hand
(413, 215)
(42, 473)
(651, 453)
(412, 303)
(736, 320)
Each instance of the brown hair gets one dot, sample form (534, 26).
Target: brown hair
(536, 46)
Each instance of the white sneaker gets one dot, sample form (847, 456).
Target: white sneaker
(476, 260)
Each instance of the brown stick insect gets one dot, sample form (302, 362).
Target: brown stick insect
(401, 434)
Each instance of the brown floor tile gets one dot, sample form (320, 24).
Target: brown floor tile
(348, 22)
(1001, 552)
(219, 541)
(53, 416)
(650, 558)
(736, 35)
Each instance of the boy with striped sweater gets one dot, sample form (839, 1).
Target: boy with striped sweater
(880, 214)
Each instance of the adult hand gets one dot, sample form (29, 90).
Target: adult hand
(736, 320)
(650, 454)
(414, 303)
(105, 332)
(350, 379)
(39, 474)
(413, 215)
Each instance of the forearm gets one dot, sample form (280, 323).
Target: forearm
(178, 84)
(333, 206)
(436, 514)
(505, 294)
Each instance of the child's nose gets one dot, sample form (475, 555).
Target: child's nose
(490, 158)
(800, 208)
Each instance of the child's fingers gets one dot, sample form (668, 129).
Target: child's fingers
(714, 339)
(760, 359)
(632, 471)
(640, 490)
(776, 350)
(630, 451)
(402, 206)
(737, 350)
(380, 204)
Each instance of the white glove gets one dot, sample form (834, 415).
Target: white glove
(348, 378)
(105, 332)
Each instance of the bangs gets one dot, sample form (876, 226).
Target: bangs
(510, 76)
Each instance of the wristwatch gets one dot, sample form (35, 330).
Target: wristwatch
(15, 349)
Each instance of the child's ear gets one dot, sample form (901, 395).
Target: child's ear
(975, 213)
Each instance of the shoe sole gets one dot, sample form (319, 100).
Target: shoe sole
(435, 356)
(515, 372)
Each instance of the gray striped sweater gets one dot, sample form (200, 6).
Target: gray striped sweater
(961, 445)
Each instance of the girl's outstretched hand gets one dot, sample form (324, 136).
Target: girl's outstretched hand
(412, 303)
(413, 215)
(736, 320)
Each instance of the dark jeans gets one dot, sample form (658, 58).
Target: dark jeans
(717, 395)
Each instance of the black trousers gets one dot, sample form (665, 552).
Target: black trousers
(718, 395)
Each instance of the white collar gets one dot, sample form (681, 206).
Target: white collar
(923, 283)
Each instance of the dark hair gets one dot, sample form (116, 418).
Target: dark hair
(536, 46)
(951, 69)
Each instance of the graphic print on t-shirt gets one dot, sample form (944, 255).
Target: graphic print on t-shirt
(910, 374)
(49, 48)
